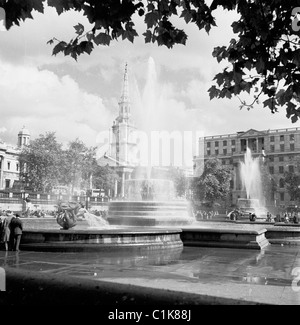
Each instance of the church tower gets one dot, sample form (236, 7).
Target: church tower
(23, 138)
(123, 144)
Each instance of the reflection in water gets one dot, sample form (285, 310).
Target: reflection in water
(152, 257)
(10, 259)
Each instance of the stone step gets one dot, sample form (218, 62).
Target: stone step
(146, 213)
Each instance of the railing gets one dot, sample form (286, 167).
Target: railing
(43, 198)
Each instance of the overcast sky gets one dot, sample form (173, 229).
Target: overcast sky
(80, 99)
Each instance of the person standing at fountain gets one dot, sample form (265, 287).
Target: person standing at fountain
(252, 217)
(16, 225)
(296, 218)
(5, 234)
(269, 217)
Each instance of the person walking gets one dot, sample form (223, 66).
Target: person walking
(17, 230)
(5, 235)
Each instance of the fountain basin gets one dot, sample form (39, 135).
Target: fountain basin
(225, 237)
(77, 240)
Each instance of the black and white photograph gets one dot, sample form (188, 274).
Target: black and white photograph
(149, 155)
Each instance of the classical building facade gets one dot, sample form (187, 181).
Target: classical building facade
(276, 148)
(9, 160)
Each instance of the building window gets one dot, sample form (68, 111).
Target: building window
(208, 145)
(272, 148)
(281, 196)
(233, 150)
(233, 142)
(281, 170)
(291, 169)
(208, 152)
(292, 137)
(281, 158)
(292, 146)
(223, 161)
(271, 170)
(7, 183)
(224, 151)
(217, 144)
(8, 165)
(271, 159)
(224, 143)
(272, 138)
(281, 183)
(282, 147)
(216, 152)
(281, 138)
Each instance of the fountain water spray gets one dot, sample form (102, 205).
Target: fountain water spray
(251, 176)
(252, 184)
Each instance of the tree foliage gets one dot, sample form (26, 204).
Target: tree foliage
(40, 163)
(263, 58)
(104, 177)
(77, 163)
(292, 181)
(179, 179)
(44, 164)
(213, 184)
(269, 185)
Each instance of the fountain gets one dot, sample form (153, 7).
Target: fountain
(151, 202)
(150, 198)
(252, 184)
(148, 217)
(88, 232)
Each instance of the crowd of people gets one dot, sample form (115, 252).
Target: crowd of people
(286, 217)
(11, 228)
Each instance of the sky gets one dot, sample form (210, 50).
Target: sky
(79, 99)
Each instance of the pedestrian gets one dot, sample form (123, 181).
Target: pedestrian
(286, 218)
(250, 216)
(253, 217)
(269, 217)
(5, 235)
(296, 217)
(16, 232)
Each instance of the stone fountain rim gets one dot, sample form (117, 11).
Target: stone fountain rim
(117, 231)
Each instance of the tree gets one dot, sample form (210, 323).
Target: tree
(39, 163)
(179, 179)
(78, 164)
(269, 186)
(292, 181)
(213, 184)
(104, 177)
(263, 58)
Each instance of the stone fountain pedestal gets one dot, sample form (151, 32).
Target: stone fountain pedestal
(150, 213)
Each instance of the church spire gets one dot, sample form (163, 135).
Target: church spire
(124, 103)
